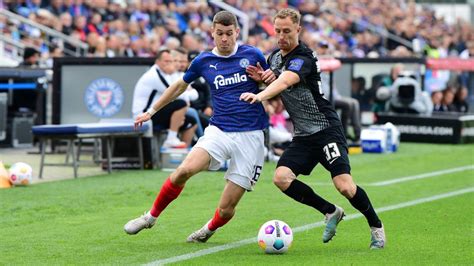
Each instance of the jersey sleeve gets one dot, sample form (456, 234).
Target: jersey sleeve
(301, 65)
(261, 59)
(194, 70)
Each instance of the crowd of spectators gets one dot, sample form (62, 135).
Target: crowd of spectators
(131, 28)
(140, 28)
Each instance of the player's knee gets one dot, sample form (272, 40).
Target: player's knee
(183, 173)
(279, 181)
(345, 185)
(282, 178)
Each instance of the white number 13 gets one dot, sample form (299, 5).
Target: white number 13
(331, 151)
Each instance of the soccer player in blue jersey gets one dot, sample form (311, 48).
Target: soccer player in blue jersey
(235, 130)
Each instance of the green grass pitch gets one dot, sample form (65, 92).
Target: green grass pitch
(80, 221)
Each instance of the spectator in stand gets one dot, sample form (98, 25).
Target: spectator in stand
(465, 54)
(54, 52)
(96, 25)
(448, 99)
(56, 7)
(30, 57)
(460, 100)
(436, 98)
(77, 8)
(172, 43)
(66, 23)
(80, 23)
(113, 46)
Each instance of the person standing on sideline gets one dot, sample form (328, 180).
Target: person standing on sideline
(235, 131)
(319, 137)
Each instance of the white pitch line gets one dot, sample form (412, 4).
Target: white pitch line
(425, 175)
(247, 241)
(406, 178)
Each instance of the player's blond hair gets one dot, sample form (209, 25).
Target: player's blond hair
(293, 14)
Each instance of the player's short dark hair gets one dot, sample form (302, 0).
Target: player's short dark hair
(225, 18)
(161, 52)
(293, 14)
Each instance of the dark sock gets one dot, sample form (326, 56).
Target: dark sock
(301, 192)
(361, 202)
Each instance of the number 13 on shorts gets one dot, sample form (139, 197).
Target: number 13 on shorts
(332, 152)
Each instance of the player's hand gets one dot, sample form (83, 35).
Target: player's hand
(268, 76)
(140, 119)
(255, 72)
(249, 97)
(208, 111)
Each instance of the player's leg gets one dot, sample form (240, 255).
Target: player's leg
(247, 157)
(336, 161)
(286, 181)
(224, 212)
(359, 200)
(197, 160)
(300, 158)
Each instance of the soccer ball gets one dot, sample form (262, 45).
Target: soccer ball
(275, 237)
(20, 174)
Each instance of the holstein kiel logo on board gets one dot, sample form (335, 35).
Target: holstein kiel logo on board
(104, 97)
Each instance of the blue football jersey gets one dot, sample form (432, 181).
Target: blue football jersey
(228, 80)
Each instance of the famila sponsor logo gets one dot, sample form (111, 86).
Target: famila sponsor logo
(220, 80)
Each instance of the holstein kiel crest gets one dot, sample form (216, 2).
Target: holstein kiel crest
(104, 97)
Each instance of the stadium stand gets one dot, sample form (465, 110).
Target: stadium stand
(352, 30)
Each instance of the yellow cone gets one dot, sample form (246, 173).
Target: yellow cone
(4, 180)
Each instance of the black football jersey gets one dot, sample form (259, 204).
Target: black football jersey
(309, 111)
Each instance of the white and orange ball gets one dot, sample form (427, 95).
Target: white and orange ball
(20, 174)
(275, 237)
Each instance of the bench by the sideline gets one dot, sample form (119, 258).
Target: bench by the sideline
(77, 132)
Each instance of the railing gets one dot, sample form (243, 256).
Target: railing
(80, 47)
(11, 49)
(381, 31)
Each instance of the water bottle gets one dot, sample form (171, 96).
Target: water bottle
(388, 141)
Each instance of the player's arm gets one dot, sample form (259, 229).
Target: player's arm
(171, 93)
(283, 82)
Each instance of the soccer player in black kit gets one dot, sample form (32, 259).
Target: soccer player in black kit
(319, 137)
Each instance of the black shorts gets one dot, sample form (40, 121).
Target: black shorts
(327, 147)
(163, 117)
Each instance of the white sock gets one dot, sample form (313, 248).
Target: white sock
(172, 134)
(150, 217)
